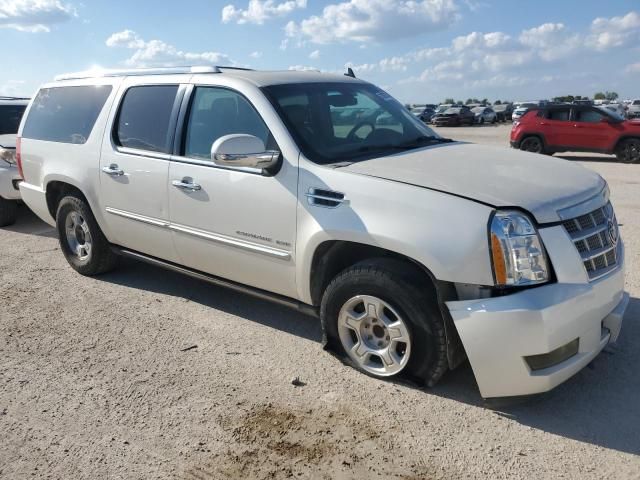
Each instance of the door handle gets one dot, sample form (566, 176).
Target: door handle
(187, 185)
(544, 123)
(113, 170)
(577, 126)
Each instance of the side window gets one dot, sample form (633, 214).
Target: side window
(216, 112)
(559, 115)
(65, 114)
(10, 116)
(589, 116)
(144, 118)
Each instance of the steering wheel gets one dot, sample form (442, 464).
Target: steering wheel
(358, 126)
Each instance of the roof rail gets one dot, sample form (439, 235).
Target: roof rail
(2, 97)
(145, 71)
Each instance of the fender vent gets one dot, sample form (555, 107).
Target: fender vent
(325, 198)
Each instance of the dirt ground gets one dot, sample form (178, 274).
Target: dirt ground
(144, 373)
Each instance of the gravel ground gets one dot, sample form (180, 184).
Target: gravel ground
(143, 373)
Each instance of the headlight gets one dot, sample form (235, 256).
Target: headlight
(8, 156)
(517, 252)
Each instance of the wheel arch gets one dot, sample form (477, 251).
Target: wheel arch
(333, 256)
(624, 138)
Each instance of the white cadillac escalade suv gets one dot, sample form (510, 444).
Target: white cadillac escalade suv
(323, 193)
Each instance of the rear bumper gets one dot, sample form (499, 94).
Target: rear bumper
(36, 200)
(515, 144)
(499, 333)
(9, 178)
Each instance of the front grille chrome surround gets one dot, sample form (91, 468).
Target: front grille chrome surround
(596, 237)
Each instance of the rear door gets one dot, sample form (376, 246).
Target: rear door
(134, 166)
(556, 126)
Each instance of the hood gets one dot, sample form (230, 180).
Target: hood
(8, 141)
(496, 176)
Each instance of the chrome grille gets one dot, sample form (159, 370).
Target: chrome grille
(596, 236)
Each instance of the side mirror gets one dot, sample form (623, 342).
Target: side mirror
(242, 150)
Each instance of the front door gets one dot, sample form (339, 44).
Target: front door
(134, 169)
(232, 223)
(590, 131)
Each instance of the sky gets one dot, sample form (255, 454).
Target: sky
(421, 51)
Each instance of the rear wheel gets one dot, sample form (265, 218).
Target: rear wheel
(84, 245)
(8, 212)
(629, 151)
(384, 323)
(532, 144)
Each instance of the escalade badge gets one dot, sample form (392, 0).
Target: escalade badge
(613, 233)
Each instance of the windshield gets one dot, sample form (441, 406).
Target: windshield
(450, 111)
(10, 116)
(417, 110)
(345, 122)
(478, 110)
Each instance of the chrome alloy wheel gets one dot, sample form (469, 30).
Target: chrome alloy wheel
(374, 335)
(78, 236)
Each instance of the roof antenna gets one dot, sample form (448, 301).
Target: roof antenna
(350, 73)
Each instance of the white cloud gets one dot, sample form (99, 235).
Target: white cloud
(259, 11)
(633, 68)
(304, 68)
(551, 41)
(158, 53)
(314, 55)
(255, 54)
(613, 32)
(12, 88)
(34, 15)
(374, 20)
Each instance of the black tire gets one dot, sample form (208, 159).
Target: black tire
(532, 144)
(399, 286)
(629, 151)
(100, 259)
(8, 212)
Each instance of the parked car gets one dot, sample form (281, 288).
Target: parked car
(616, 108)
(503, 112)
(634, 109)
(484, 115)
(415, 253)
(521, 109)
(425, 114)
(579, 128)
(454, 117)
(11, 111)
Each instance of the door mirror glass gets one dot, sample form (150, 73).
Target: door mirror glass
(243, 150)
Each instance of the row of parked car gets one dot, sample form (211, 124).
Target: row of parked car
(456, 115)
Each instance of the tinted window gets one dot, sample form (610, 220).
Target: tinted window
(559, 115)
(216, 112)
(65, 114)
(144, 118)
(589, 116)
(10, 116)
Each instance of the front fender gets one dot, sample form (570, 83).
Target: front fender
(444, 233)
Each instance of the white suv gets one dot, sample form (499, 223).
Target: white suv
(11, 111)
(415, 251)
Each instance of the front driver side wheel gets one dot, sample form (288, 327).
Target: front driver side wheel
(82, 242)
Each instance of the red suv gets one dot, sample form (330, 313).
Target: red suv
(577, 128)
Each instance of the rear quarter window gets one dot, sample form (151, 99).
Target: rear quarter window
(10, 116)
(65, 114)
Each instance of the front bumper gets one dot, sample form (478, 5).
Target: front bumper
(9, 179)
(499, 333)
